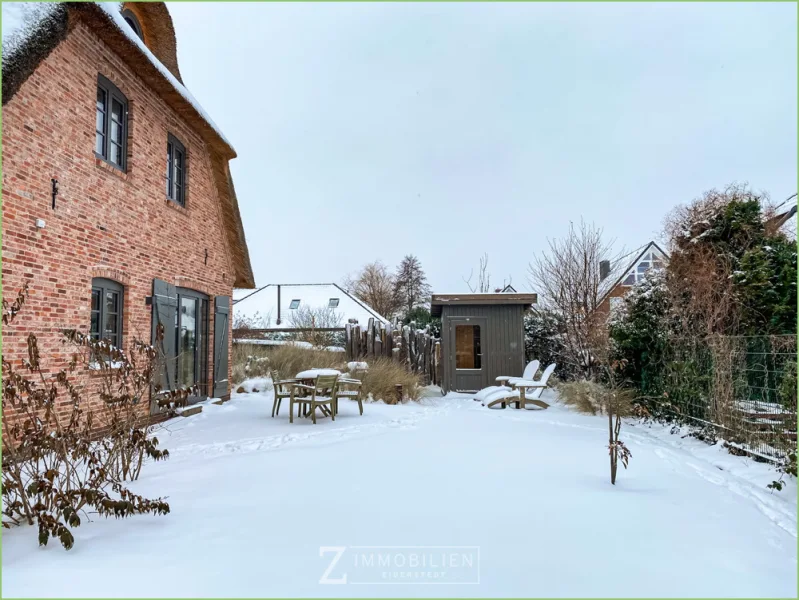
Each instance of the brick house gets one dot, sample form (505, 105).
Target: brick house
(118, 204)
(617, 279)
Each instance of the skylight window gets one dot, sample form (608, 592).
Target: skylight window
(333, 303)
(295, 304)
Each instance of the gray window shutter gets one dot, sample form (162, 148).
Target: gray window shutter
(221, 316)
(165, 303)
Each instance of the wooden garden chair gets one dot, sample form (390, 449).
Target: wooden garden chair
(352, 394)
(315, 399)
(529, 373)
(282, 390)
(538, 386)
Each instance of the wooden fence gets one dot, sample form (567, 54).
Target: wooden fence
(419, 351)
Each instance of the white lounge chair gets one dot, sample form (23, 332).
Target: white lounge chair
(538, 386)
(486, 392)
(500, 397)
(529, 373)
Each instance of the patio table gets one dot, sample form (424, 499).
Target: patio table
(308, 377)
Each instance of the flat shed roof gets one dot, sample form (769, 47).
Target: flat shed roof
(440, 300)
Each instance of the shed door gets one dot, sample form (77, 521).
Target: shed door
(467, 360)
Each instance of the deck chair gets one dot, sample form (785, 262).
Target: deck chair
(352, 394)
(538, 386)
(529, 372)
(500, 397)
(486, 392)
(315, 400)
(282, 390)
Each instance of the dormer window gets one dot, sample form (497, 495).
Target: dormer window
(130, 19)
(295, 304)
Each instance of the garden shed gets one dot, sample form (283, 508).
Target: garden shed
(482, 337)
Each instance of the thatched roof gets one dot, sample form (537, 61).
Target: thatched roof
(156, 63)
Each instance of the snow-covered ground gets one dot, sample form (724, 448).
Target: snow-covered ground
(253, 499)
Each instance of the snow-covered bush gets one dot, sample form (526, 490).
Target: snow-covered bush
(543, 339)
(728, 273)
(639, 333)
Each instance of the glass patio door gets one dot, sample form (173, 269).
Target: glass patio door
(191, 344)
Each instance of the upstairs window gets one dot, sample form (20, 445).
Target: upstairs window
(111, 127)
(130, 19)
(295, 304)
(333, 303)
(106, 311)
(650, 261)
(175, 170)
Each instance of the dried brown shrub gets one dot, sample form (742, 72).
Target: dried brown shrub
(55, 464)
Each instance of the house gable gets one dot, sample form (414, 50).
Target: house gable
(261, 308)
(631, 269)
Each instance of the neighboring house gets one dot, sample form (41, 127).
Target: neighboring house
(508, 289)
(286, 307)
(118, 205)
(617, 279)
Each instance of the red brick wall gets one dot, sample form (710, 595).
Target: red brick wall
(617, 292)
(106, 223)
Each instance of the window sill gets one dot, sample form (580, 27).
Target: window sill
(109, 364)
(175, 206)
(103, 164)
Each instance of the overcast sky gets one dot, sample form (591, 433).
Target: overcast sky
(370, 131)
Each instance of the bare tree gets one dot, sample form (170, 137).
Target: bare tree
(375, 286)
(567, 279)
(411, 285)
(256, 321)
(309, 320)
(483, 285)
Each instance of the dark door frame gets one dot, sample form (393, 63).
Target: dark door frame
(201, 353)
(453, 322)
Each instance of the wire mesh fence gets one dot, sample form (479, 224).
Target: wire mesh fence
(742, 386)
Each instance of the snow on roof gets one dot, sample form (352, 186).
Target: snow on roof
(261, 304)
(113, 10)
(22, 19)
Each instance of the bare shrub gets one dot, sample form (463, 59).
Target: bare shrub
(567, 279)
(55, 462)
(308, 320)
(604, 399)
(256, 321)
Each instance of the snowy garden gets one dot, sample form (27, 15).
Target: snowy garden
(253, 499)
(238, 500)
